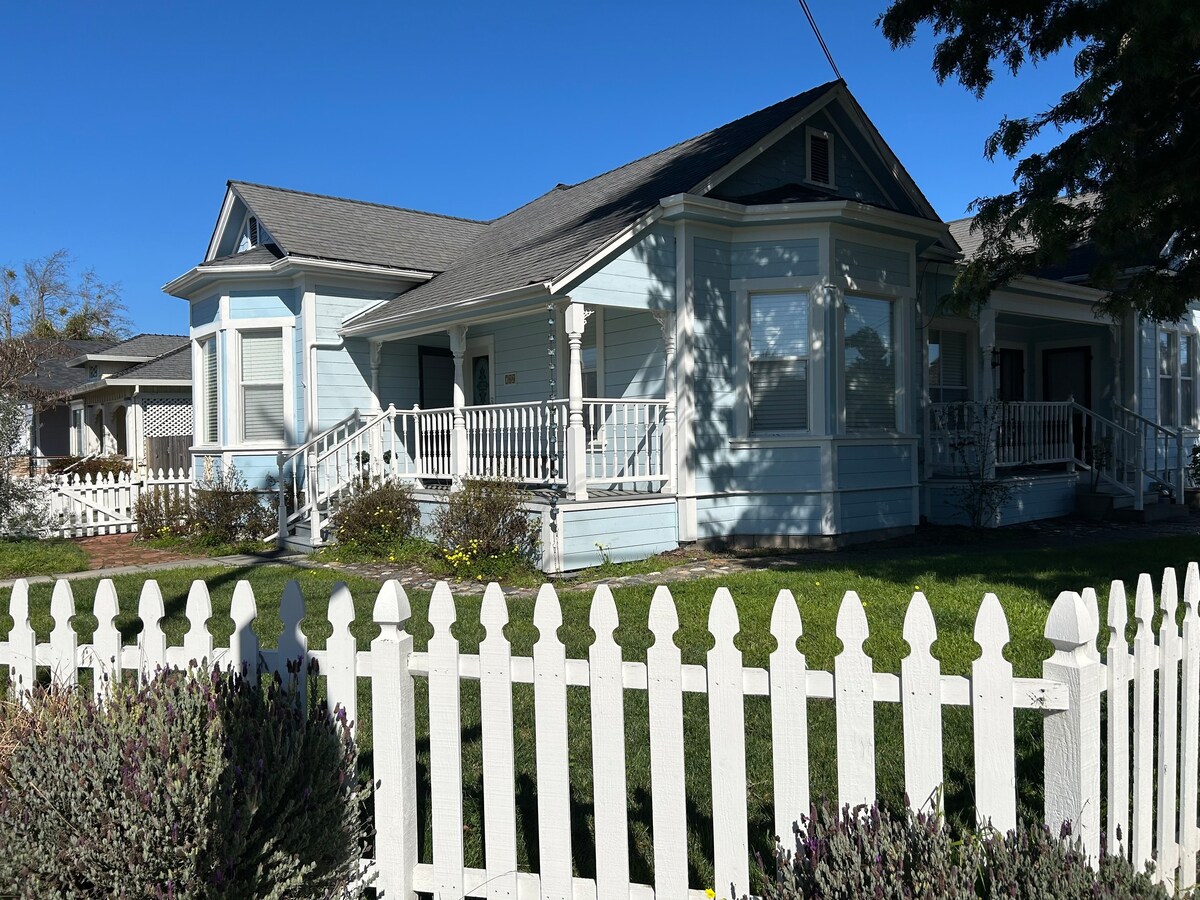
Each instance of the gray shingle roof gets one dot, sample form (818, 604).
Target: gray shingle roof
(172, 366)
(355, 231)
(53, 374)
(148, 345)
(262, 255)
(562, 228)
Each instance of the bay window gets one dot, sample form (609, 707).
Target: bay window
(869, 360)
(779, 357)
(208, 399)
(947, 366)
(261, 359)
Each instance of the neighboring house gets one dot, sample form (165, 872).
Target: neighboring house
(734, 339)
(131, 398)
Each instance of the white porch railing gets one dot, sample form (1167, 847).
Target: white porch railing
(1164, 451)
(524, 442)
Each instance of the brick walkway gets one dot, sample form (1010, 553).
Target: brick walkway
(110, 551)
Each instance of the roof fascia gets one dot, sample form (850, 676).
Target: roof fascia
(222, 222)
(289, 265)
(142, 382)
(613, 247)
(1032, 284)
(105, 357)
(760, 147)
(689, 205)
(412, 323)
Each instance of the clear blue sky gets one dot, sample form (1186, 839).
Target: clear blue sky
(121, 122)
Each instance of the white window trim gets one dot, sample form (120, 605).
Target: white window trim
(234, 404)
(1188, 422)
(743, 426)
(199, 406)
(809, 133)
(971, 358)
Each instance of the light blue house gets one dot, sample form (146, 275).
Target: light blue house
(736, 339)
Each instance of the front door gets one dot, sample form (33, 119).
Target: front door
(1012, 374)
(1067, 375)
(481, 380)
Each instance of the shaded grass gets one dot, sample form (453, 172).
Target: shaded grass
(34, 556)
(1026, 582)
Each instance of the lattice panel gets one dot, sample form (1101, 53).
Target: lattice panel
(167, 416)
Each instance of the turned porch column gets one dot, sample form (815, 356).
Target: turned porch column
(375, 464)
(575, 323)
(459, 447)
(666, 321)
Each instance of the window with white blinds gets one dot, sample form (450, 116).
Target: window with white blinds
(870, 364)
(1168, 372)
(1187, 396)
(779, 351)
(947, 366)
(209, 408)
(262, 386)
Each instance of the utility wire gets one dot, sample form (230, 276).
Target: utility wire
(820, 40)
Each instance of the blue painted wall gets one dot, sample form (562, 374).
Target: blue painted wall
(344, 372)
(1031, 500)
(264, 304)
(641, 277)
(204, 312)
(629, 532)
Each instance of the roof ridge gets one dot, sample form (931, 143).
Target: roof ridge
(820, 88)
(408, 209)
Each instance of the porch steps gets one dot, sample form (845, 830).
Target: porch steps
(1160, 511)
(301, 540)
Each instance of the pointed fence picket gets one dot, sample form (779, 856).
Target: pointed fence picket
(1153, 743)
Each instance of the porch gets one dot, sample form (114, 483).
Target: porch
(1046, 451)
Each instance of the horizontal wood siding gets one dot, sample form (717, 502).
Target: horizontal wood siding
(1148, 386)
(333, 305)
(626, 533)
(874, 465)
(874, 510)
(800, 514)
(774, 259)
(643, 277)
(713, 381)
(298, 379)
(343, 381)
(1032, 499)
(263, 304)
(256, 468)
(762, 469)
(204, 312)
(634, 363)
(398, 374)
(869, 266)
(520, 349)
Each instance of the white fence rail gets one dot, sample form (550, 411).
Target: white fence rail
(1152, 691)
(86, 505)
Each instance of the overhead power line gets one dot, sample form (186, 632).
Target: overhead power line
(820, 40)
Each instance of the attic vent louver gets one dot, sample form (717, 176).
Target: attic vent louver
(252, 225)
(820, 165)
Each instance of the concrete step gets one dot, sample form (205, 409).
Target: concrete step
(1156, 512)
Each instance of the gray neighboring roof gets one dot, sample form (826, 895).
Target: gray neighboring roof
(173, 366)
(148, 345)
(262, 255)
(355, 231)
(556, 232)
(53, 373)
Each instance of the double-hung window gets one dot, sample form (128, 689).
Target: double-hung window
(870, 364)
(209, 408)
(947, 366)
(262, 386)
(779, 355)
(1176, 377)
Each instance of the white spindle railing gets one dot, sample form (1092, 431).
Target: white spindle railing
(1021, 434)
(625, 441)
(512, 440)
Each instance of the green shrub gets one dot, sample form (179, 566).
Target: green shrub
(484, 529)
(90, 465)
(225, 511)
(871, 852)
(162, 512)
(376, 519)
(193, 785)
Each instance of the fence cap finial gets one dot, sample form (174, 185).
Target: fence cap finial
(1191, 588)
(919, 630)
(391, 607)
(786, 624)
(1069, 625)
(493, 614)
(18, 604)
(991, 625)
(852, 628)
(105, 607)
(243, 609)
(62, 604)
(664, 619)
(1143, 603)
(341, 607)
(1169, 598)
(442, 613)
(1118, 607)
(603, 615)
(722, 616)
(547, 613)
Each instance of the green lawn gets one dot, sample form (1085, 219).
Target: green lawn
(33, 556)
(1026, 582)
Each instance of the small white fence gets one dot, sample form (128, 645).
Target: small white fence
(86, 505)
(1153, 742)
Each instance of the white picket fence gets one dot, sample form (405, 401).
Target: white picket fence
(1151, 786)
(86, 505)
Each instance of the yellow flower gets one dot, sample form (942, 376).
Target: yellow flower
(709, 892)
(817, 583)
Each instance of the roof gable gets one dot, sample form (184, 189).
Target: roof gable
(334, 228)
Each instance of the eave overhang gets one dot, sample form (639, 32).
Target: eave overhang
(204, 275)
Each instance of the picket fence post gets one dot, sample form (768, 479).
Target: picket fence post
(393, 716)
(1072, 735)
